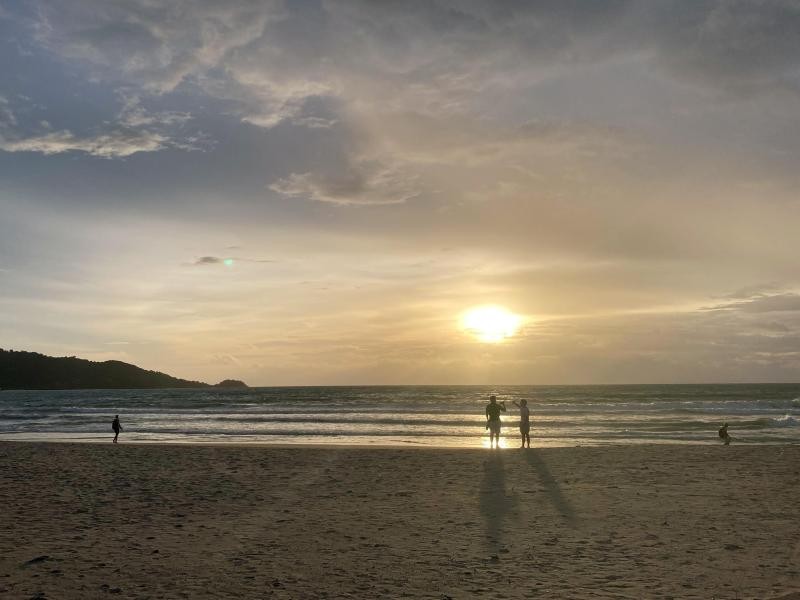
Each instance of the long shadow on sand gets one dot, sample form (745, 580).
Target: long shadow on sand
(495, 505)
(551, 487)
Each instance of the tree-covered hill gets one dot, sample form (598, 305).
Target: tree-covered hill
(33, 371)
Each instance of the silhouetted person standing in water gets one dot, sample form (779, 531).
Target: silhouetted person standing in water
(116, 427)
(524, 422)
(724, 435)
(493, 410)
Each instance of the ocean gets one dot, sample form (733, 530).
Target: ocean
(409, 415)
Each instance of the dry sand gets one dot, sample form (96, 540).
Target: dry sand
(128, 521)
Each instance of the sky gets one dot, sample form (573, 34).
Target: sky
(314, 193)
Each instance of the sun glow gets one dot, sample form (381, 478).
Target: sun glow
(491, 324)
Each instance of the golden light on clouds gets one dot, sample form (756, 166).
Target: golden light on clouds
(490, 324)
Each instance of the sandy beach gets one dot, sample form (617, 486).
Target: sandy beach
(172, 521)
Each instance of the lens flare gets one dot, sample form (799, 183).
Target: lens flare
(490, 324)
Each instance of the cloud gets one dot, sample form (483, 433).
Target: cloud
(134, 130)
(774, 326)
(738, 45)
(267, 103)
(157, 45)
(435, 58)
(208, 260)
(134, 115)
(364, 182)
(7, 117)
(114, 144)
(440, 57)
(751, 291)
(315, 122)
(226, 359)
(272, 59)
(788, 302)
(230, 260)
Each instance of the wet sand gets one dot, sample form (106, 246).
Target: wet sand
(169, 521)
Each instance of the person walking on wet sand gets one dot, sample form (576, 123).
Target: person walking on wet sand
(493, 410)
(116, 427)
(724, 435)
(524, 421)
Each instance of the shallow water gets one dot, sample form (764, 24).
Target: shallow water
(409, 415)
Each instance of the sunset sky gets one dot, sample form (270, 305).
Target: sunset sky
(316, 192)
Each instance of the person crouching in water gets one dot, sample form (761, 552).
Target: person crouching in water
(524, 422)
(724, 435)
(116, 427)
(493, 410)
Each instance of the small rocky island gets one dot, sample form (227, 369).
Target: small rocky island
(232, 383)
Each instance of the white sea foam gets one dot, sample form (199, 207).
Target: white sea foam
(786, 421)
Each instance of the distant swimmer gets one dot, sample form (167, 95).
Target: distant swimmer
(116, 427)
(524, 422)
(724, 435)
(493, 410)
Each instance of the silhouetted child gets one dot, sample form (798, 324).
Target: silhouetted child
(524, 422)
(116, 427)
(724, 435)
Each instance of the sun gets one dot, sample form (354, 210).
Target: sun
(491, 324)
